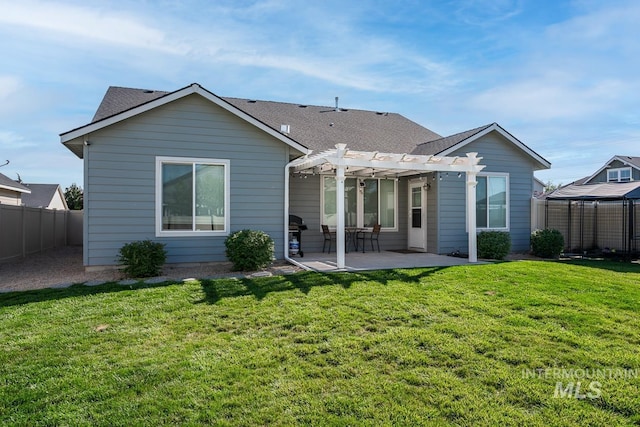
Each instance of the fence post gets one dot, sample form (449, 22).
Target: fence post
(41, 230)
(66, 227)
(55, 231)
(23, 228)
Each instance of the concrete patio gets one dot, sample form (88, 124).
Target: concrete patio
(358, 261)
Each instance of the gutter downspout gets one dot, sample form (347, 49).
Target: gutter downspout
(286, 219)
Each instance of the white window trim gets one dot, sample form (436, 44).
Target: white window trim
(160, 160)
(618, 172)
(508, 201)
(360, 202)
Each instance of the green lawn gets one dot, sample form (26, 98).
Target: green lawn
(433, 346)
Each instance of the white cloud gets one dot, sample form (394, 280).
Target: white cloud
(84, 23)
(579, 70)
(10, 140)
(549, 98)
(312, 41)
(9, 86)
(486, 12)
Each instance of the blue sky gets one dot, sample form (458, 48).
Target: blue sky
(562, 76)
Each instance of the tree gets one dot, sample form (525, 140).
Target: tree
(74, 197)
(549, 187)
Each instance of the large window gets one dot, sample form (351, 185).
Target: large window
(619, 175)
(191, 196)
(492, 202)
(366, 202)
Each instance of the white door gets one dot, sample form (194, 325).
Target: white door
(417, 217)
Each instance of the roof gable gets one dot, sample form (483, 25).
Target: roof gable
(631, 161)
(75, 138)
(446, 146)
(42, 195)
(9, 184)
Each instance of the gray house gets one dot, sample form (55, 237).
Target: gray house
(617, 169)
(188, 167)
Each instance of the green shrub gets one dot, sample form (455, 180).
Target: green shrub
(142, 258)
(547, 243)
(493, 244)
(249, 249)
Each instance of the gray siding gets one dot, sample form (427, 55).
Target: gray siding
(120, 178)
(433, 230)
(499, 155)
(602, 176)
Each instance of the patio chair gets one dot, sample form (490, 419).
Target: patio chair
(329, 236)
(374, 236)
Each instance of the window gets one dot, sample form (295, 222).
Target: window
(192, 196)
(619, 175)
(367, 202)
(492, 202)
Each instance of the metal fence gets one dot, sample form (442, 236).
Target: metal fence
(590, 227)
(25, 231)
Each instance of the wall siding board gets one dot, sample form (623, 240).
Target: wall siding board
(498, 155)
(120, 183)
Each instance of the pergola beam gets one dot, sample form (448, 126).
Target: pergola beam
(365, 164)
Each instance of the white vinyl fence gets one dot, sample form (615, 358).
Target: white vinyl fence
(25, 231)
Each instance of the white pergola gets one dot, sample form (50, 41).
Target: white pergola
(344, 162)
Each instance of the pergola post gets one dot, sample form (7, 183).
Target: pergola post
(471, 213)
(365, 163)
(340, 243)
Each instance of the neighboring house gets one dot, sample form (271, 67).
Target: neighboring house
(187, 168)
(599, 213)
(538, 187)
(48, 196)
(617, 169)
(11, 192)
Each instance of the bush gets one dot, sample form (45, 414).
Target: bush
(249, 249)
(494, 244)
(547, 243)
(142, 258)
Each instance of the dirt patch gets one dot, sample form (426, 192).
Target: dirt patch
(62, 267)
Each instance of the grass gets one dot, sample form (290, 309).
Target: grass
(431, 346)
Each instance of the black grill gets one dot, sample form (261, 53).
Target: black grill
(296, 227)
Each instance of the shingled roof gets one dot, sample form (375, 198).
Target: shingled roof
(8, 183)
(635, 161)
(316, 127)
(41, 195)
(320, 128)
(304, 127)
(441, 144)
(119, 99)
